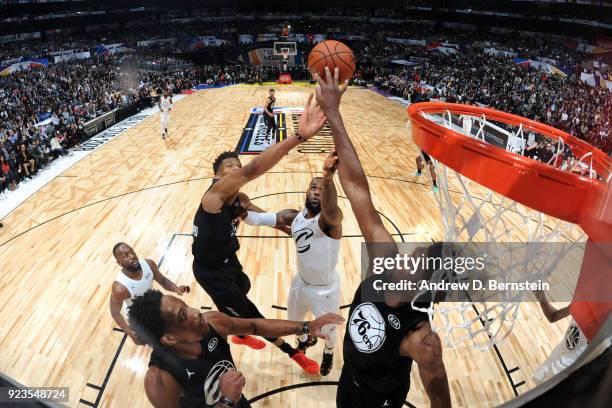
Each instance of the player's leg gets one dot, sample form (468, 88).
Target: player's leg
(419, 165)
(297, 308)
(249, 310)
(327, 300)
(228, 290)
(229, 296)
(432, 171)
(271, 128)
(164, 125)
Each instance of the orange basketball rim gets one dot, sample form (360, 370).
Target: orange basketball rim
(575, 198)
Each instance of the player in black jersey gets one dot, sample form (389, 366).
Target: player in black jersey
(430, 165)
(382, 338)
(191, 357)
(268, 115)
(216, 266)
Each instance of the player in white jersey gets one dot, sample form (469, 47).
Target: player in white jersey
(134, 279)
(165, 106)
(317, 231)
(567, 351)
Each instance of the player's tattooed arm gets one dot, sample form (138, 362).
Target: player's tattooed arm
(284, 218)
(424, 347)
(282, 226)
(165, 282)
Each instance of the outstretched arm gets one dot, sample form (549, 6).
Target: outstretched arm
(253, 210)
(284, 218)
(165, 282)
(331, 215)
(226, 325)
(350, 170)
(550, 312)
(311, 120)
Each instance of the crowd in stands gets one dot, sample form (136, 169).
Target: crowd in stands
(43, 111)
(69, 94)
(473, 77)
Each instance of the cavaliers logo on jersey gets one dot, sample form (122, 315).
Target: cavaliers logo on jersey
(212, 389)
(302, 238)
(367, 328)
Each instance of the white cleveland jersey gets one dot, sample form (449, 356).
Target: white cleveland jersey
(317, 254)
(567, 351)
(137, 287)
(165, 103)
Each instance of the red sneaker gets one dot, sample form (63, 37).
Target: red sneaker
(249, 341)
(308, 365)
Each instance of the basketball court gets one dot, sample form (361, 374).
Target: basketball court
(55, 326)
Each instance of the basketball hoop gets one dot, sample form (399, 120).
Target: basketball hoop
(503, 195)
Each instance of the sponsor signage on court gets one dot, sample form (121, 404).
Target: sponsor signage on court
(254, 132)
(253, 136)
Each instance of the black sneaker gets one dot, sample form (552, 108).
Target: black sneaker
(327, 363)
(303, 345)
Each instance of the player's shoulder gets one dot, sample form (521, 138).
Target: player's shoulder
(244, 199)
(151, 263)
(161, 387)
(119, 291)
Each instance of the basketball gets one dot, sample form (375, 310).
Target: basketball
(333, 54)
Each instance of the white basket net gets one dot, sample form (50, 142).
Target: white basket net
(514, 239)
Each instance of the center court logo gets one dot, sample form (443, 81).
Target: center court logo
(212, 389)
(367, 328)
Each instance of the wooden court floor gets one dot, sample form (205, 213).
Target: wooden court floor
(56, 266)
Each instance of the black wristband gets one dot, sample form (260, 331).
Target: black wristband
(300, 138)
(306, 328)
(226, 401)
